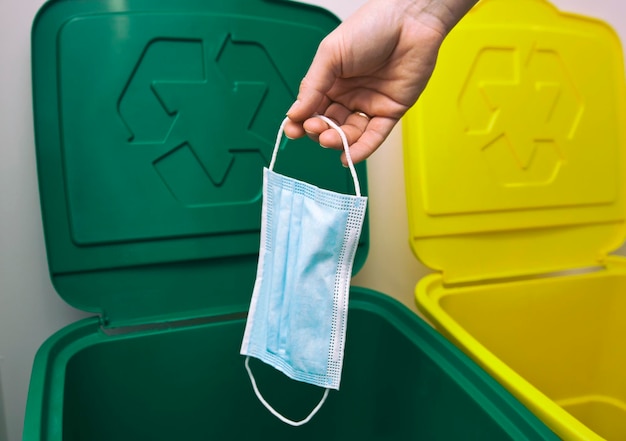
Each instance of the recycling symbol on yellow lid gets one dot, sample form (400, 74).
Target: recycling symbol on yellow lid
(530, 108)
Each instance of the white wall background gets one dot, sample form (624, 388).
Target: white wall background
(30, 310)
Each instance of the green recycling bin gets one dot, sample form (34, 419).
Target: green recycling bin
(153, 122)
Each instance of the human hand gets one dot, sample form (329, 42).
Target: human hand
(370, 70)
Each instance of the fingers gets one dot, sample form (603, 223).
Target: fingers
(364, 135)
(310, 101)
(294, 130)
(352, 123)
(312, 95)
(314, 126)
(377, 131)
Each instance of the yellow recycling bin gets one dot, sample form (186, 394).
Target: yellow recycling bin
(514, 160)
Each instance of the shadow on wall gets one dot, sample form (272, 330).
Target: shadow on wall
(3, 426)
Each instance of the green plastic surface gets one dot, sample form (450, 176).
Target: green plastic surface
(153, 122)
(401, 381)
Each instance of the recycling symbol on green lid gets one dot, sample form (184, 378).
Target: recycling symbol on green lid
(202, 106)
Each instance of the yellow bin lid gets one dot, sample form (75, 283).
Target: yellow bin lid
(514, 153)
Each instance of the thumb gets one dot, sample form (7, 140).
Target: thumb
(312, 95)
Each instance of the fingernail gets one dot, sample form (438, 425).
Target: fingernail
(293, 106)
(324, 146)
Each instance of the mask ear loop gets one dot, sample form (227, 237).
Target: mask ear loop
(344, 141)
(274, 412)
(357, 189)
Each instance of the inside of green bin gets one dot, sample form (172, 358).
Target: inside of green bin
(564, 335)
(190, 384)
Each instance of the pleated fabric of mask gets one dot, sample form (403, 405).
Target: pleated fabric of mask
(299, 308)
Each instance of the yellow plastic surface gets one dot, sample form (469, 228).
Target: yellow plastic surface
(514, 160)
(516, 144)
(556, 343)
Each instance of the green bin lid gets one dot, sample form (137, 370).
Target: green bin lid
(153, 121)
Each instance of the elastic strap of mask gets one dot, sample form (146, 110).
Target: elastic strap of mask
(273, 411)
(344, 141)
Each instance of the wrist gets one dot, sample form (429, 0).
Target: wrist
(441, 15)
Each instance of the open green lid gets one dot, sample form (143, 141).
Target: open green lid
(153, 121)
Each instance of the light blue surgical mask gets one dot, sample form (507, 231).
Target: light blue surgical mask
(299, 308)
